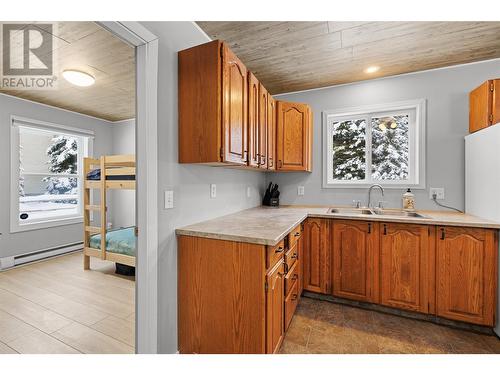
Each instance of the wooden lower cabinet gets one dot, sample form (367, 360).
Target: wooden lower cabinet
(275, 292)
(406, 270)
(316, 255)
(466, 274)
(355, 260)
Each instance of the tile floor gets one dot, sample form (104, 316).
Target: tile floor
(55, 306)
(325, 327)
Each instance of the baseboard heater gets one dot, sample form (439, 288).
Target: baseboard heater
(9, 262)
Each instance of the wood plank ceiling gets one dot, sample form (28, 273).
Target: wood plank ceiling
(87, 47)
(292, 56)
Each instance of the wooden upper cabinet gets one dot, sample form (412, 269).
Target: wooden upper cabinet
(213, 102)
(484, 105)
(294, 136)
(234, 113)
(406, 272)
(253, 121)
(271, 134)
(275, 300)
(263, 120)
(316, 255)
(355, 260)
(466, 261)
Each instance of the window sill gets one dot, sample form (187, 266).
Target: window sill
(366, 186)
(16, 227)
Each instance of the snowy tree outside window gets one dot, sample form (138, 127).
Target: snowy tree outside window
(49, 163)
(383, 144)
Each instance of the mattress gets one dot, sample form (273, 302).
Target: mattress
(119, 241)
(95, 175)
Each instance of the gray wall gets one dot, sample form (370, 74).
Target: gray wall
(190, 183)
(122, 210)
(29, 241)
(446, 91)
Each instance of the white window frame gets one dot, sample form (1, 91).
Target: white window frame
(416, 143)
(16, 122)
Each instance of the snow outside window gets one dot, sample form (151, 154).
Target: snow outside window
(47, 165)
(383, 144)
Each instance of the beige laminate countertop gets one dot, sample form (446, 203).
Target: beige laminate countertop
(269, 225)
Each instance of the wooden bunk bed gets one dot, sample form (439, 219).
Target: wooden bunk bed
(113, 172)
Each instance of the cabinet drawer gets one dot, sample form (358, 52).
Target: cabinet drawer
(294, 235)
(291, 277)
(291, 302)
(291, 256)
(275, 254)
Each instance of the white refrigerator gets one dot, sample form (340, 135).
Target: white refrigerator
(482, 179)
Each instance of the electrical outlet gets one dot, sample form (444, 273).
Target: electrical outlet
(438, 191)
(300, 190)
(213, 191)
(169, 199)
(249, 192)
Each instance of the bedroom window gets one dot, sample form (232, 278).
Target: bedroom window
(383, 144)
(46, 176)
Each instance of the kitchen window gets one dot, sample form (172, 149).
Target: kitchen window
(46, 174)
(382, 144)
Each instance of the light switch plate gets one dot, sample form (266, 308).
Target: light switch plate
(300, 190)
(169, 199)
(438, 191)
(213, 191)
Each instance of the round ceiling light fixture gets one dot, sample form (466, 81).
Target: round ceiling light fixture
(78, 78)
(372, 69)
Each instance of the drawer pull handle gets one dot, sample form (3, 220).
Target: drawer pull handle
(297, 234)
(279, 250)
(294, 256)
(294, 297)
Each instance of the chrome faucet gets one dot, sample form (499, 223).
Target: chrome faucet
(370, 192)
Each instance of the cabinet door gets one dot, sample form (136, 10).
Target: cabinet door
(271, 133)
(495, 102)
(234, 109)
(316, 255)
(355, 260)
(480, 102)
(263, 114)
(466, 262)
(253, 120)
(404, 266)
(275, 308)
(293, 136)
(300, 265)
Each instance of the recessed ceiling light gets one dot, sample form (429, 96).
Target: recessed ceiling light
(372, 69)
(78, 78)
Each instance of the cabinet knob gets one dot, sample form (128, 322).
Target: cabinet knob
(294, 297)
(297, 234)
(279, 250)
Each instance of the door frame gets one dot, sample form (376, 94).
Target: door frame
(146, 291)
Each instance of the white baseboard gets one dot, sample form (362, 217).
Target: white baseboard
(13, 261)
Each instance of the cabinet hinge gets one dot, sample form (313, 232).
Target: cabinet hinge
(491, 118)
(492, 87)
(221, 153)
(266, 286)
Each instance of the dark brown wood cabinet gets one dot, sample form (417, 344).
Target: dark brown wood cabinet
(466, 274)
(253, 121)
(484, 105)
(316, 255)
(275, 323)
(355, 251)
(406, 270)
(293, 136)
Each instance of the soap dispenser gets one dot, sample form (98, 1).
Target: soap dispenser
(409, 200)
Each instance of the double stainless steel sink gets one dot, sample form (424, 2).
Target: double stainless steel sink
(375, 211)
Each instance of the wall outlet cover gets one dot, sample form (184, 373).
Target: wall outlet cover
(300, 190)
(438, 191)
(213, 191)
(169, 199)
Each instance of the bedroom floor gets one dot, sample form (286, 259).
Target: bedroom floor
(324, 327)
(54, 306)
